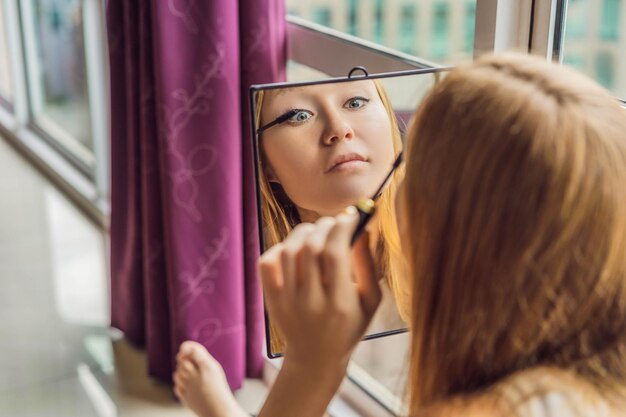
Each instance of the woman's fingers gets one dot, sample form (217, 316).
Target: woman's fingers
(309, 286)
(270, 271)
(290, 251)
(365, 271)
(311, 273)
(336, 254)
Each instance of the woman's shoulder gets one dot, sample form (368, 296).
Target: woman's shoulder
(543, 392)
(551, 392)
(463, 406)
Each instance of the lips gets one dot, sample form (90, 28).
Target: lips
(344, 160)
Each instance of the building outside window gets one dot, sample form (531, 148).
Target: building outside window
(595, 41)
(379, 25)
(407, 29)
(470, 27)
(352, 17)
(441, 31)
(322, 16)
(609, 28)
(577, 19)
(604, 67)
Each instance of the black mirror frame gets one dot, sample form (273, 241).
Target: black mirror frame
(255, 146)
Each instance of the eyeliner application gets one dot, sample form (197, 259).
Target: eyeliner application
(280, 119)
(367, 206)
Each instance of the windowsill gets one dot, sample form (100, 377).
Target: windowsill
(63, 174)
(350, 401)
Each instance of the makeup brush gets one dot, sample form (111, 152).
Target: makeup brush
(367, 206)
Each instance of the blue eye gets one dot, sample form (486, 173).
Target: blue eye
(356, 102)
(301, 116)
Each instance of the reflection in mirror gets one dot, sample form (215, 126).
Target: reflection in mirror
(323, 147)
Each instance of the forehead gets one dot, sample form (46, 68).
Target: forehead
(321, 90)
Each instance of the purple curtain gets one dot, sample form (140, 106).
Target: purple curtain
(183, 216)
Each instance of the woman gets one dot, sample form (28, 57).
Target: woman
(513, 223)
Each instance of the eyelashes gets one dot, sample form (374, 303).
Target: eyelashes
(356, 100)
(299, 116)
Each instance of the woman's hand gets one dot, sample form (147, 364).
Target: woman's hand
(321, 308)
(312, 293)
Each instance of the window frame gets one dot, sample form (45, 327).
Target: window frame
(39, 121)
(89, 189)
(15, 112)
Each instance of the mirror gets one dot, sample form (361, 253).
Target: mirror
(322, 146)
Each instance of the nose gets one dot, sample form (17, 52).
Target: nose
(338, 128)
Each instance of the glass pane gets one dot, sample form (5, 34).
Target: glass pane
(384, 364)
(595, 36)
(437, 30)
(297, 72)
(6, 87)
(609, 28)
(62, 82)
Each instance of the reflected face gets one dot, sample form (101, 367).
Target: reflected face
(335, 150)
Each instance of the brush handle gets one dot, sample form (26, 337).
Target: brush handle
(366, 210)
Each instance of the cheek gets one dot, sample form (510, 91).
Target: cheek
(285, 153)
(292, 163)
(378, 133)
(288, 165)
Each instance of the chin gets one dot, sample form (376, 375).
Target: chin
(348, 200)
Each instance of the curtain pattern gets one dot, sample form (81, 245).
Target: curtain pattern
(184, 238)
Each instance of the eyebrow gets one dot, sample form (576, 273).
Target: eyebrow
(276, 92)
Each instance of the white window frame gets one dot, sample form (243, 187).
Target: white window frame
(88, 189)
(548, 26)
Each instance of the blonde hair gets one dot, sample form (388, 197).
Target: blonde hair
(279, 216)
(515, 200)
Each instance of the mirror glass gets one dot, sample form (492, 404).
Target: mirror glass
(324, 145)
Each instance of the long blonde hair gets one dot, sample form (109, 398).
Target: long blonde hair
(515, 205)
(279, 215)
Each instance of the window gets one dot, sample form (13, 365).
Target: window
(470, 27)
(6, 90)
(407, 29)
(609, 27)
(321, 16)
(577, 15)
(575, 60)
(441, 31)
(593, 42)
(604, 67)
(297, 72)
(55, 50)
(352, 17)
(53, 83)
(378, 35)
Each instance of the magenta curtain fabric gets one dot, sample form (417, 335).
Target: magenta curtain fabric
(183, 217)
